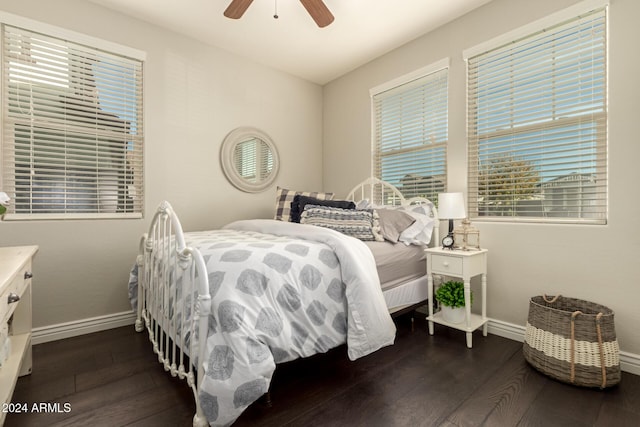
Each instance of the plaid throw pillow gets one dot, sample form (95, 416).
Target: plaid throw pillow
(284, 198)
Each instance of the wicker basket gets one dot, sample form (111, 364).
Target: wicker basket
(573, 341)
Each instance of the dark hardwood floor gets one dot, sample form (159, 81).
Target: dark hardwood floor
(112, 378)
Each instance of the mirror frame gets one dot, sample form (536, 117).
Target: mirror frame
(227, 150)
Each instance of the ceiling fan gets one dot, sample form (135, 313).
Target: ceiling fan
(316, 8)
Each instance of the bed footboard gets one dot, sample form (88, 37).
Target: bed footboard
(174, 301)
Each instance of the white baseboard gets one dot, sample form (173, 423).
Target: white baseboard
(629, 362)
(506, 330)
(80, 327)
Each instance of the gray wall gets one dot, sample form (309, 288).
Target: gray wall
(597, 263)
(194, 95)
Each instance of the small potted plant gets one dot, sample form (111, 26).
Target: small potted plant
(450, 295)
(4, 201)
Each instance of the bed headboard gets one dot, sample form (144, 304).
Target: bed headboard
(380, 192)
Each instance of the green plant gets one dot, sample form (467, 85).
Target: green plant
(451, 294)
(4, 200)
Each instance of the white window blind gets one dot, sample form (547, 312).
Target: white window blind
(410, 122)
(537, 125)
(72, 134)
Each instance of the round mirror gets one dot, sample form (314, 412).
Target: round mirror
(249, 159)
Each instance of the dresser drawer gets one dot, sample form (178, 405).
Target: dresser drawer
(446, 264)
(15, 262)
(15, 287)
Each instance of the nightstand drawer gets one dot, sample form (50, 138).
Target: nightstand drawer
(446, 264)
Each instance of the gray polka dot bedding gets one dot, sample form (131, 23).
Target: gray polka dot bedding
(281, 291)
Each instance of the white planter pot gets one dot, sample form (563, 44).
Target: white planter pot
(453, 315)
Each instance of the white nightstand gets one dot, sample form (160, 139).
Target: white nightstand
(465, 265)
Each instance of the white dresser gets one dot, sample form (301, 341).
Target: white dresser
(15, 316)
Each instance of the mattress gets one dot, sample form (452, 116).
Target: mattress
(398, 263)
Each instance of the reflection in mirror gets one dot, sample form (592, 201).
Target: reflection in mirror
(253, 160)
(249, 159)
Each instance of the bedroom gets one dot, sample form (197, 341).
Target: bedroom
(193, 100)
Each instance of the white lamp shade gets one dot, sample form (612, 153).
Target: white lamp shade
(451, 206)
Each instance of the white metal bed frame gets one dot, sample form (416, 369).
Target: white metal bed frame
(163, 250)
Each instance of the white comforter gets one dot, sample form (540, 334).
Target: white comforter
(369, 324)
(332, 290)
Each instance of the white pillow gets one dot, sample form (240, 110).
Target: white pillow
(418, 233)
(366, 204)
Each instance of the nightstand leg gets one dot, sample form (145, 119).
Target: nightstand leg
(467, 308)
(430, 302)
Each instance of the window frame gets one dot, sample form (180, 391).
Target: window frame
(93, 44)
(599, 122)
(396, 84)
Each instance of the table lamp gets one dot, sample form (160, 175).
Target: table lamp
(450, 206)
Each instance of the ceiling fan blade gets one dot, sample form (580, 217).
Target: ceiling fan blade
(318, 11)
(237, 8)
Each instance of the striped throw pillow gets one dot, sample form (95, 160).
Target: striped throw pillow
(361, 224)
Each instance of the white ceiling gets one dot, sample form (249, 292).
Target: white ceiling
(362, 30)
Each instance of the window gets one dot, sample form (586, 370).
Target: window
(537, 123)
(410, 132)
(72, 130)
